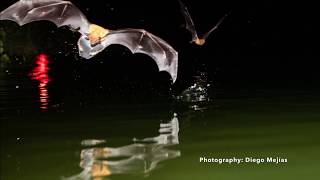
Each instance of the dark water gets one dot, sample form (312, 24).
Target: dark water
(53, 128)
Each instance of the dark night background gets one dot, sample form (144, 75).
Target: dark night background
(262, 65)
(261, 44)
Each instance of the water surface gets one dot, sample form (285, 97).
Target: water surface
(56, 131)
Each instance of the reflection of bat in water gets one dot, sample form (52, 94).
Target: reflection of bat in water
(137, 158)
(94, 38)
(190, 26)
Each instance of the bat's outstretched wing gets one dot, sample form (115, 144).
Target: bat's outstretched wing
(138, 41)
(189, 23)
(205, 36)
(62, 13)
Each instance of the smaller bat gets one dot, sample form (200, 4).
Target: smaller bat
(94, 38)
(191, 27)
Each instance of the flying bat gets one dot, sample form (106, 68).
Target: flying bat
(94, 38)
(191, 27)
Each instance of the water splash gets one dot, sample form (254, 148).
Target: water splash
(198, 93)
(40, 73)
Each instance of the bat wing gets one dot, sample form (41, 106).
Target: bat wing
(138, 41)
(189, 23)
(62, 13)
(205, 36)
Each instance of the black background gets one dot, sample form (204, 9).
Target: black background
(268, 44)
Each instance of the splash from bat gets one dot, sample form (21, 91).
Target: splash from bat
(94, 38)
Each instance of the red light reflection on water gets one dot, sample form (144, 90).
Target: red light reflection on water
(40, 73)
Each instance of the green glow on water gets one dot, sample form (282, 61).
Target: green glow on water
(49, 146)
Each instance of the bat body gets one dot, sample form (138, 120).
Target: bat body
(94, 38)
(191, 27)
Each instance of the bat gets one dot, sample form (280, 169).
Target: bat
(137, 41)
(94, 38)
(191, 27)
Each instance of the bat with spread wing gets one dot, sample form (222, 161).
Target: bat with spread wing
(191, 27)
(94, 38)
